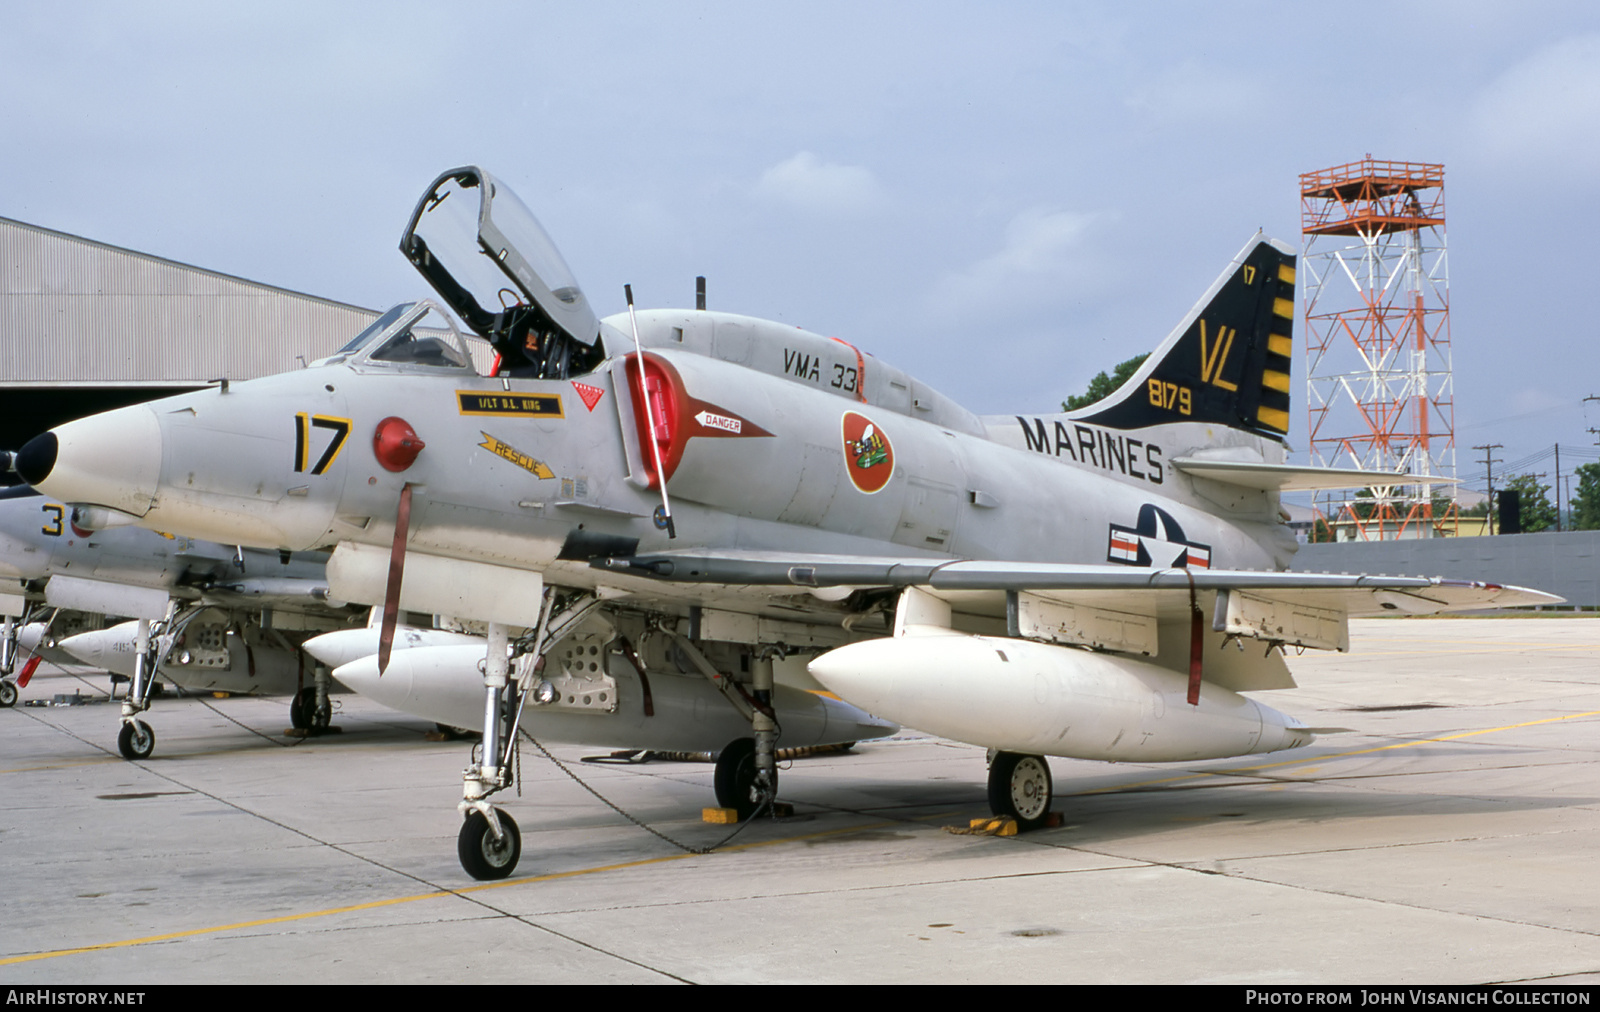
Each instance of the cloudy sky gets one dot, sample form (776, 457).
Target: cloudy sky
(1002, 198)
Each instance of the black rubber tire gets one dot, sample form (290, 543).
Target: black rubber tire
(480, 856)
(136, 740)
(304, 714)
(736, 778)
(1020, 788)
(8, 693)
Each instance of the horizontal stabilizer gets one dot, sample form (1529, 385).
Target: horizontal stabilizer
(1289, 478)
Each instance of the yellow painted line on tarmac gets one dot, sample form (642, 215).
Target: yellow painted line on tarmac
(102, 761)
(646, 862)
(1243, 771)
(127, 943)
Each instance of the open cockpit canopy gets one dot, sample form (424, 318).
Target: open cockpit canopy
(492, 262)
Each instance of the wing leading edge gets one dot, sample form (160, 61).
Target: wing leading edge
(1359, 594)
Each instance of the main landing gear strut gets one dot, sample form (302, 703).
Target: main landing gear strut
(311, 711)
(747, 769)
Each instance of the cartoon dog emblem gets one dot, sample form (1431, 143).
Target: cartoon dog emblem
(868, 457)
(1157, 541)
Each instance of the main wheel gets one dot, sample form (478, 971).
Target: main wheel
(136, 740)
(1020, 787)
(305, 714)
(481, 855)
(8, 692)
(736, 778)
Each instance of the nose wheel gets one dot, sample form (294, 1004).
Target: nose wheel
(1020, 788)
(136, 740)
(8, 693)
(484, 855)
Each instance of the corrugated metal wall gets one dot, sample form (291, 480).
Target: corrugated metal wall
(74, 311)
(1560, 563)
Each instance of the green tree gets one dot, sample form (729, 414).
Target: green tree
(1538, 513)
(1365, 505)
(1103, 386)
(1586, 501)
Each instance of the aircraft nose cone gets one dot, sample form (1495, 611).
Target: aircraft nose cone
(111, 459)
(37, 457)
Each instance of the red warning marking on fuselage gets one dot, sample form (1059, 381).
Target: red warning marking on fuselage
(589, 395)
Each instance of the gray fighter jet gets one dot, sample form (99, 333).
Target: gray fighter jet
(207, 617)
(680, 491)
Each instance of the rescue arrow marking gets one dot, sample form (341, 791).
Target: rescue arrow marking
(506, 451)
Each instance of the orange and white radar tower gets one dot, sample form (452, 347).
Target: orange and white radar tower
(1377, 312)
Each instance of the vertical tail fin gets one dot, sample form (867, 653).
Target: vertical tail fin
(1228, 362)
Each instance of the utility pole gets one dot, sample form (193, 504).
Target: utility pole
(1488, 463)
(1558, 487)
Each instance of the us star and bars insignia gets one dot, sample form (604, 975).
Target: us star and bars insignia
(1157, 540)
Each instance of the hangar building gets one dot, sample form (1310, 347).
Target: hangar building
(85, 327)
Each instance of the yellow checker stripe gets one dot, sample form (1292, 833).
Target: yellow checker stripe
(1273, 417)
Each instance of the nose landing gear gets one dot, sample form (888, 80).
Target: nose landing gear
(136, 740)
(484, 853)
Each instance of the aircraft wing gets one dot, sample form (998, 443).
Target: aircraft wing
(1153, 613)
(1354, 594)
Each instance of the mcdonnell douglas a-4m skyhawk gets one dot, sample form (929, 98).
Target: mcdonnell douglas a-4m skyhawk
(691, 492)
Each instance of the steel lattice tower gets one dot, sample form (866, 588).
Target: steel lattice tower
(1377, 311)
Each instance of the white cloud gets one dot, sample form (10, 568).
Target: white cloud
(1047, 257)
(1541, 115)
(808, 182)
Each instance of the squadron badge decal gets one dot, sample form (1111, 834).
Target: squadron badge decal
(868, 457)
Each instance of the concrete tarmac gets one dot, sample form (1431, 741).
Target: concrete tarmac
(1445, 839)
